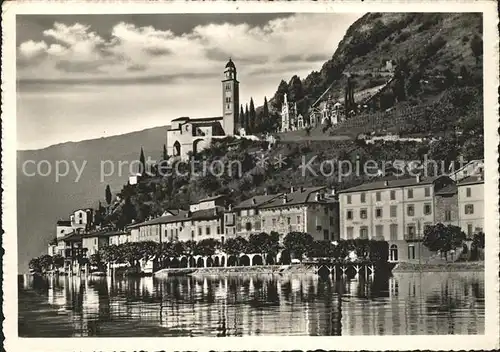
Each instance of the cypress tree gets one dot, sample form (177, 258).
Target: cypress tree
(165, 155)
(142, 159)
(242, 117)
(108, 195)
(247, 124)
(252, 118)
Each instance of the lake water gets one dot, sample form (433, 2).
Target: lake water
(404, 304)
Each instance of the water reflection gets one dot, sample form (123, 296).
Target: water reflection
(432, 303)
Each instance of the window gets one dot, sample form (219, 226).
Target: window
(326, 235)
(411, 231)
(363, 197)
(207, 230)
(288, 221)
(349, 200)
(469, 229)
(410, 193)
(248, 226)
(393, 195)
(427, 191)
(378, 212)
(331, 221)
(447, 215)
(410, 210)
(468, 191)
(363, 232)
(427, 209)
(256, 211)
(199, 231)
(263, 222)
(298, 219)
(394, 211)
(469, 208)
(363, 214)
(326, 211)
(379, 231)
(394, 232)
(349, 215)
(218, 230)
(350, 232)
(238, 226)
(378, 196)
(257, 225)
(274, 222)
(80, 221)
(411, 252)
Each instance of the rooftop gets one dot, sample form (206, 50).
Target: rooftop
(470, 180)
(257, 201)
(393, 183)
(301, 196)
(450, 189)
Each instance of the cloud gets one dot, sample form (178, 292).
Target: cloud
(77, 52)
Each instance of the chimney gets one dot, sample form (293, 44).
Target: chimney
(254, 202)
(386, 183)
(480, 177)
(265, 192)
(215, 211)
(285, 199)
(230, 207)
(317, 196)
(188, 214)
(291, 189)
(418, 178)
(333, 192)
(302, 189)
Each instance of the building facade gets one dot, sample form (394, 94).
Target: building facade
(471, 204)
(396, 211)
(311, 210)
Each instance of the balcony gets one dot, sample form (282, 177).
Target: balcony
(412, 237)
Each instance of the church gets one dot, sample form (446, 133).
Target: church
(187, 136)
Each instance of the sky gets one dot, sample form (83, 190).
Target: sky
(90, 76)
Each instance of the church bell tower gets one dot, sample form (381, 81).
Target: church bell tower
(230, 99)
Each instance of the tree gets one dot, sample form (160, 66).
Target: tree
(252, 123)
(165, 155)
(108, 195)
(478, 240)
(279, 95)
(127, 215)
(45, 262)
(242, 117)
(34, 265)
(247, 122)
(206, 247)
(58, 261)
(476, 45)
(142, 160)
(235, 246)
(263, 243)
(443, 238)
(298, 243)
(265, 110)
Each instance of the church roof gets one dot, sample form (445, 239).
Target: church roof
(230, 64)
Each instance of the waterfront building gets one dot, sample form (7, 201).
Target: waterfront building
(187, 135)
(309, 210)
(205, 219)
(395, 210)
(471, 204)
(94, 241)
(245, 218)
(446, 205)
